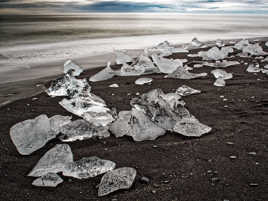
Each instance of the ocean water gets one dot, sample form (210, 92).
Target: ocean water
(36, 46)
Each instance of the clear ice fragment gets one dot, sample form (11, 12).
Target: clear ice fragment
(48, 180)
(71, 68)
(185, 90)
(105, 74)
(143, 80)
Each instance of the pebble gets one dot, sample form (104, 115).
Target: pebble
(225, 99)
(154, 191)
(34, 99)
(230, 143)
(225, 106)
(156, 185)
(257, 163)
(145, 180)
(209, 171)
(253, 184)
(221, 96)
(166, 181)
(252, 153)
(215, 179)
(155, 146)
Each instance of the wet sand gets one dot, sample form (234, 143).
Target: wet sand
(179, 168)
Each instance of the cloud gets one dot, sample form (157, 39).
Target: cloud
(185, 6)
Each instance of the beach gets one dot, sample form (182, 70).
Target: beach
(178, 168)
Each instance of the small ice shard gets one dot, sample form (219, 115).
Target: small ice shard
(198, 65)
(196, 43)
(91, 107)
(191, 127)
(219, 73)
(222, 64)
(57, 121)
(88, 167)
(137, 125)
(80, 130)
(68, 86)
(143, 80)
(167, 65)
(53, 161)
(121, 178)
(241, 44)
(253, 68)
(220, 82)
(104, 74)
(122, 57)
(182, 73)
(162, 109)
(114, 85)
(215, 53)
(30, 135)
(219, 43)
(129, 70)
(72, 68)
(48, 180)
(185, 90)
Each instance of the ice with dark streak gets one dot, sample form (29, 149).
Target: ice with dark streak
(184, 74)
(53, 161)
(121, 178)
(88, 167)
(185, 90)
(81, 130)
(48, 180)
(104, 74)
(167, 65)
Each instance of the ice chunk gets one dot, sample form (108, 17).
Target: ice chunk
(163, 109)
(91, 107)
(81, 129)
(196, 43)
(57, 121)
(182, 73)
(122, 57)
(121, 178)
(241, 44)
(72, 68)
(220, 82)
(48, 180)
(143, 80)
(167, 65)
(254, 49)
(266, 44)
(215, 53)
(146, 63)
(219, 73)
(68, 86)
(222, 64)
(114, 85)
(30, 135)
(53, 161)
(191, 127)
(165, 49)
(219, 43)
(185, 90)
(88, 167)
(253, 68)
(198, 65)
(137, 125)
(105, 74)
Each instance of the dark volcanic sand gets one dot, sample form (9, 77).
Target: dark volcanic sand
(179, 168)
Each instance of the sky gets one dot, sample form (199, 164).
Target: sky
(178, 6)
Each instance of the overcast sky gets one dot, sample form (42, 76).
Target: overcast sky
(180, 6)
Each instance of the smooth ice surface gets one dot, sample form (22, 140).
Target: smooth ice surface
(71, 68)
(121, 178)
(68, 86)
(220, 82)
(191, 127)
(167, 65)
(222, 64)
(57, 121)
(143, 80)
(253, 68)
(30, 135)
(88, 167)
(182, 73)
(91, 107)
(219, 73)
(129, 70)
(53, 161)
(81, 129)
(48, 180)
(122, 57)
(137, 125)
(162, 109)
(185, 90)
(105, 74)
